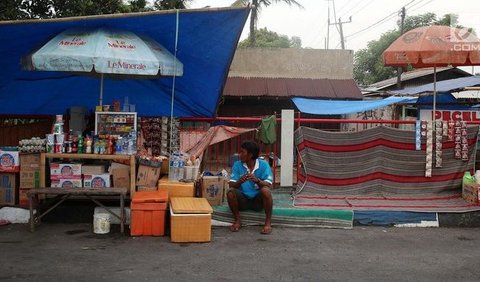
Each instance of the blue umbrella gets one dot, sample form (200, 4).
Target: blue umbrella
(104, 51)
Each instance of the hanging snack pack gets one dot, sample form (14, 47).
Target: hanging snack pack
(444, 130)
(438, 143)
(418, 135)
(429, 149)
(451, 131)
(464, 138)
(458, 140)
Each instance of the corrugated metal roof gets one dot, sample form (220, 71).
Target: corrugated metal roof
(417, 73)
(442, 86)
(293, 87)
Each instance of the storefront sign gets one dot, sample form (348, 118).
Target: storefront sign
(447, 115)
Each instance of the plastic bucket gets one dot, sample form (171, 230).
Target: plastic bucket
(101, 223)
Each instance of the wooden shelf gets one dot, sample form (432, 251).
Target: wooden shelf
(45, 156)
(87, 156)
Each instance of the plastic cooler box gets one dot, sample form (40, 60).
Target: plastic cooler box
(148, 213)
(190, 220)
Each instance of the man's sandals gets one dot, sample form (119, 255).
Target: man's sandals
(235, 227)
(267, 229)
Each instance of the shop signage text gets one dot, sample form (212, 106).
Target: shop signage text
(451, 115)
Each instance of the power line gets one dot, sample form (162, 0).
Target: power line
(409, 6)
(389, 16)
(353, 7)
(345, 5)
(415, 4)
(362, 8)
(421, 6)
(318, 35)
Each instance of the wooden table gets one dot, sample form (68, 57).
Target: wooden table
(62, 194)
(45, 156)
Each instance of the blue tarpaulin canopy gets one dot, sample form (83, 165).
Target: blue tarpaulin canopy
(442, 86)
(207, 40)
(332, 107)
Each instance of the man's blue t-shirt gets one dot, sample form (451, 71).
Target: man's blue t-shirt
(261, 170)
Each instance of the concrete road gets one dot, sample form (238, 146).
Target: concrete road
(71, 252)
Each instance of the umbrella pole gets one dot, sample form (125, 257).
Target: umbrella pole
(173, 82)
(434, 92)
(101, 90)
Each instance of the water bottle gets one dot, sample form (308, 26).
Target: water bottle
(172, 171)
(181, 168)
(126, 106)
(177, 167)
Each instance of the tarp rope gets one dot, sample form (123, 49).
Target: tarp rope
(174, 77)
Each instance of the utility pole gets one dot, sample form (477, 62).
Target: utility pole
(340, 24)
(399, 69)
(328, 28)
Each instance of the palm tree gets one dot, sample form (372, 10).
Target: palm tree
(170, 4)
(257, 5)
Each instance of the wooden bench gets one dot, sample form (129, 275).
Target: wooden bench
(62, 194)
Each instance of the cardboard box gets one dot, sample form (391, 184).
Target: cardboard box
(8, 196)
(175, 188)
(8, 180)
(62, 170)
(190, 220)
(67, 183)
(148, 176)
(93, 169)
(8, 188)
(213, 189)
(470, 193)
(9, 161)
(116, 165)
(29, 171)
(121, 177)
(29, 179)
(23, 200)
(29, 162)
(96, 180)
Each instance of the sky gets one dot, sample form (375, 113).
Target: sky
(370, 18)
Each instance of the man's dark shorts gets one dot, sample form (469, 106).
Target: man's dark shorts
(245, 203)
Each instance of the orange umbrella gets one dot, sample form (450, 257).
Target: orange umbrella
(434, 46)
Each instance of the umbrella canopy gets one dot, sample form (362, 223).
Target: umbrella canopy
(434, 46)
(107, 51)
(104, 51)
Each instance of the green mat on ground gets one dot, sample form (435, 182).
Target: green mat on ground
(285, 214)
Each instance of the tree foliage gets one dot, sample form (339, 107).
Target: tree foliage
(368, 65)
(21, 9)
(71, 8)
(256, 8)
(265, 38)
(44, 9)
(170, 4)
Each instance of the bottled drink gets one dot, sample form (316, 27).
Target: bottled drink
(88, 145)
(80, 148)
(173, 167)
(110, 145)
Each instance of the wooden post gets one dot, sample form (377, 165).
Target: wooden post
(132, 176)
(42, 170)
